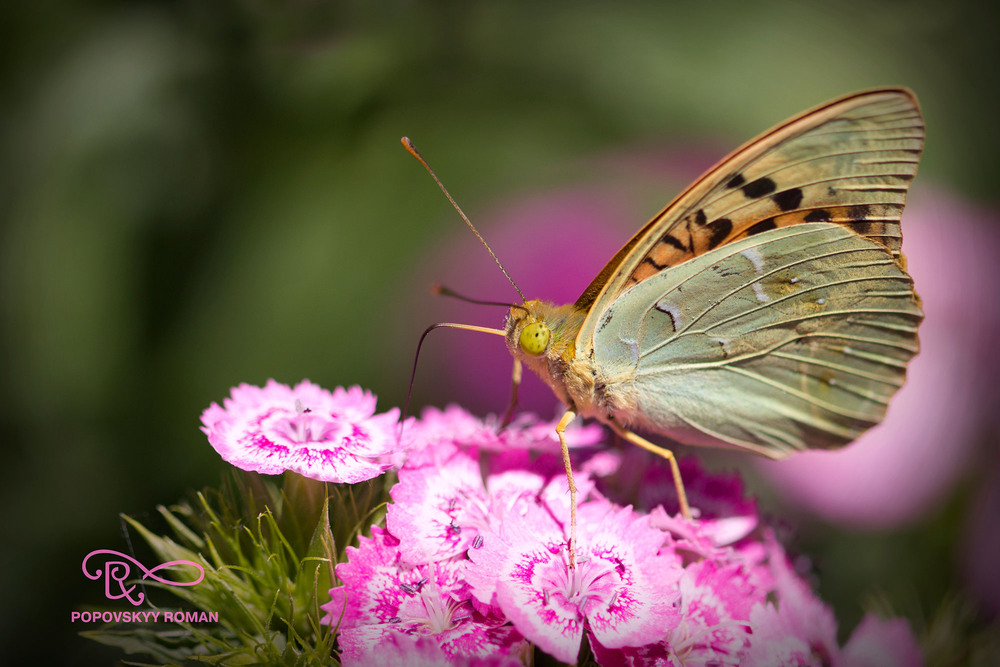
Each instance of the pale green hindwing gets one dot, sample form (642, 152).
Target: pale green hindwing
(791, 339)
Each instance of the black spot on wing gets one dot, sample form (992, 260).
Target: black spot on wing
(759, 188)
(674, 242)
(700, 218)
(859, 212)
(861, 227)
(724, 273)
(652, 263)
(859, 218)
(720, 230)
(817, 215)
(736, 181)
(788, 199)
(762, 226)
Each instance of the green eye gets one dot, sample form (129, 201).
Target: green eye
(535, 338)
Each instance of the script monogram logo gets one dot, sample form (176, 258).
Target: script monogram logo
(118, 568)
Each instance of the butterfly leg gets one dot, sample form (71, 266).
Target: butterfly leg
(560, 429)
(515, 384)
(665, 453)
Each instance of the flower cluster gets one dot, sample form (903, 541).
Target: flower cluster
(472, 564)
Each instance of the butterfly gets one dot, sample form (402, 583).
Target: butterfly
(766, 309)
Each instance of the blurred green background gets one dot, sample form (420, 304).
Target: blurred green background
(198, 194)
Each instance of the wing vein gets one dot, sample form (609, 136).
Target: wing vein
(813, 361)
(811, 400)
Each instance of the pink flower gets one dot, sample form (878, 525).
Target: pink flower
(715, 610)
(795, 628)
(719, 588)
(775, 642)
(457, 426)
(714, 627)
(725, 513)
(442, 504)
(621, 591)
(798, 628)
(382, 597)
(416, 651)
(331, 437)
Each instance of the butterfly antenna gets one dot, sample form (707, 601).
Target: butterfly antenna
(416, 358)
(440, 290)
(412, 150)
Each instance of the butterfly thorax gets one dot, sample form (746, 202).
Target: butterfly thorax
(542, 336)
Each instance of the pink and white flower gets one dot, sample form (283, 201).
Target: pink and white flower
(331, 437)
(456, 425)
(621, 590)
(442, 505)
(383, 597)
(796, 629)
(417, 651)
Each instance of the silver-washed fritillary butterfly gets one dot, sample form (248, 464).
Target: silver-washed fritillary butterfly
(767, 308)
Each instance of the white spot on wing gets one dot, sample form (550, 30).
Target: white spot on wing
(672, 311)
(753, 254)
(633, 347)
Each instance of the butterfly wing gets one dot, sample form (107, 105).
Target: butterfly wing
(848, 162)
(792, 339)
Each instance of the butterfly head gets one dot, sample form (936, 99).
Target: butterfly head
(542, 336)
(528, 333)
(539, 330)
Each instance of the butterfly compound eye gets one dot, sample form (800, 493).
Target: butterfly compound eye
(535, 338)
